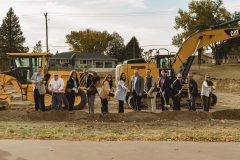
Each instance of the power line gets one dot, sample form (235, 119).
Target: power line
(103, 14)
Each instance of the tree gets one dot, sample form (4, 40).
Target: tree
(89, 41)
(38, 47)
(133, 50)
(116, 47)
(201, 15)
(11, 37)
(231, 45)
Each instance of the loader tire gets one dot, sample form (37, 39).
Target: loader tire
(83, 101)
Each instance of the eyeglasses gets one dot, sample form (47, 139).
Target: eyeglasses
(55, 75)
(207, 77)
(179, 77)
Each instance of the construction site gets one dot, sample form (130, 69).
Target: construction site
(159, 99)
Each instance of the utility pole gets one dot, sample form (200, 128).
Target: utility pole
(46, 21)
(134, 54)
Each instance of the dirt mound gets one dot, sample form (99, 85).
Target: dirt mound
(231, 114)
(80, 116)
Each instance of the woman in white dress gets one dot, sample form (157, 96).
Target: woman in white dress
(121, 92)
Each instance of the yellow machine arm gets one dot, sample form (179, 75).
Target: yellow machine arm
(201, 39)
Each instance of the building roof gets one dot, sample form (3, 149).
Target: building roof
(28, 54)
(88, 56)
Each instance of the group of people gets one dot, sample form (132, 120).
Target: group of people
(139, 86)
(166, 88)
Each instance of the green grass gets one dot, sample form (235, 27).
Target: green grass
(96, 131)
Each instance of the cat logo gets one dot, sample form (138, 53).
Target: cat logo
(232, 32)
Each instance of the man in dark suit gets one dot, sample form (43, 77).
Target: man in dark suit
(165, 89)
(137, 88)
(177, 90)
(192, 92)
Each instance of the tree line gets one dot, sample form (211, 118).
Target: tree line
(200, 15)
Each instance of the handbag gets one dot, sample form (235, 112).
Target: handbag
(42, 89)
(111, 94)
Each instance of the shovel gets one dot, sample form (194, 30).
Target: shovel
(165, 103)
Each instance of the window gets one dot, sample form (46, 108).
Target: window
(99, 64)
(22, 62)
(89, 62)
(62, 61)
(84, 62)
(37, 62)
(108, 65)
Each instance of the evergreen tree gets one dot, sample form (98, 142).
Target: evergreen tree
(38, 47)
(133, 50)
(11, 37)
(116, 47)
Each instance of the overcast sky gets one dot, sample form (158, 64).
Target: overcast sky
(151, 21)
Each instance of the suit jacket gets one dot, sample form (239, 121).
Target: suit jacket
(193, 87)
(139, 85)
(39, 86)
(166, 88)
(177, 86)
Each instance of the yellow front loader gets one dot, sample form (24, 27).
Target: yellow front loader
(23, 65)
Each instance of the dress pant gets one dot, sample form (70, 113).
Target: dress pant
(192, 104)
(58, 99)
(91, 99)
(104, 107)
(153, 98)
(166, 96)
(120, 106)
(71, 100)
(176, 102)
(38, 99)
(206, 102)
(136, 101)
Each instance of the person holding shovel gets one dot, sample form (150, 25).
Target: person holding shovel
(192, 92)
(151, 90)
(177, 90)
(164, 84)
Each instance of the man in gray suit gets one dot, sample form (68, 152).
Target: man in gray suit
(137, 88)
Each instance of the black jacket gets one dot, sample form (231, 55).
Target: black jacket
(177, 86)
(193, 87)
(70, 83)
(166, 88)
(88, 81)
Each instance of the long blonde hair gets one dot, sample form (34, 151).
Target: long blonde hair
(105, 79)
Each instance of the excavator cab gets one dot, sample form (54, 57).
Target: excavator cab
(164, 63)
(23, 65)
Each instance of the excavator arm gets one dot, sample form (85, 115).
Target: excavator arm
(201, 39)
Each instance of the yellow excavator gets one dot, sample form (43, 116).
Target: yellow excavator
(180, 62)
(22, 67)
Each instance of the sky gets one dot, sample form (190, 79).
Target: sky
(150, 21)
